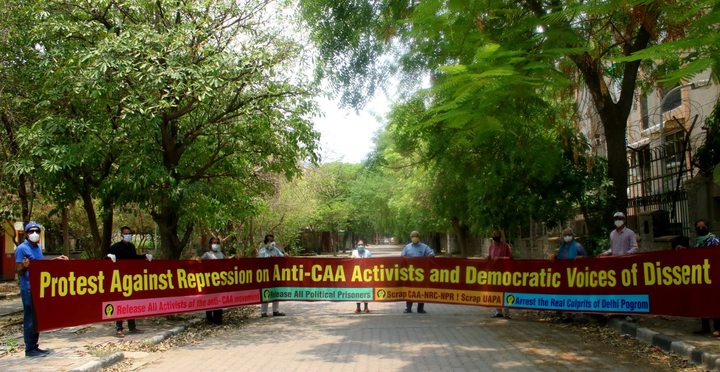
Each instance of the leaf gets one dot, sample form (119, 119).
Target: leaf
(454, 69)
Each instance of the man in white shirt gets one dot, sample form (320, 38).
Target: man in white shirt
(361, 252)
(266, 251)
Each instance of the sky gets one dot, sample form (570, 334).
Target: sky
(346, 135)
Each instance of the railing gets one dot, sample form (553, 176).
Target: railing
(655, 184)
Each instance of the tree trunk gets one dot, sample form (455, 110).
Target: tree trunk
(345, 239)
(171, 245)
(436, 245)
(22, 190)
(615, 129)
(92, 223)
(65, 231)
(106, 234)
(460, 231)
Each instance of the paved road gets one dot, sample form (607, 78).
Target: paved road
(379, 251)
(329, 337)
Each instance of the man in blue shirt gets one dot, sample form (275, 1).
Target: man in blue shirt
(416, 249)
(29, 250)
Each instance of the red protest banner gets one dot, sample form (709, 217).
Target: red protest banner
(68, 293)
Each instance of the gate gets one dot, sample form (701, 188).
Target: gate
(655, 184)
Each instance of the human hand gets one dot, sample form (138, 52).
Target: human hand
(148, 256)
(198, 259)
(679, 247)
(272, 255)
(26, 262)
(112, 257)
(61, 257)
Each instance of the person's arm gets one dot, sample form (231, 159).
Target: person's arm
(581, 251)
(510, 253)
(402, 254)
(133, 253)
(22, 267)
(633, 244)
(279, 254)
(430, 252)
(368, 255)
(60, 257)
(21, 261)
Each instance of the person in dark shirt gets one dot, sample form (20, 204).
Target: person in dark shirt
(125, 250)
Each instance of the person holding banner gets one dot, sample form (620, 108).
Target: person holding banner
(27, 251)
(269, 250)
(622, 239)
(704, 238)
(499, 250)
(570, 249)
(125, 250)
(416, 249)
(213, 316)
(361, 252)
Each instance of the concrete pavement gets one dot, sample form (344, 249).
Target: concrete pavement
(328, 336)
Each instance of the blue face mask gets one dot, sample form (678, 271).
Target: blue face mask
(361, 247)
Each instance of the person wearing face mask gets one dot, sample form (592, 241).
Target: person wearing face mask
(213, 316)
(704, 238)
(125, 250)
(622, 239)
(27, 251)
(361, 252)
(569, 248)
(416, 249)
(499, 250)
(269, 250)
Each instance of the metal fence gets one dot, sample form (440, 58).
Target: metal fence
(655, 184)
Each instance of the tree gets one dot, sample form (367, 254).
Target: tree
(288, 212)
(582, 39)
(331, 185)
(180, 107)
(18, 64)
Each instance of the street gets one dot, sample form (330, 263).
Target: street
(329, 336)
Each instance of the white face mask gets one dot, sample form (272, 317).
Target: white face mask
(215, 247)
(34, 237)
(272, 245)
(568, 238)
(127, 237)
(619, 223)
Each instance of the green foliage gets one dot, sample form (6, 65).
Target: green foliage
(707, 156)
(288, 212)
(331, 185)
(692, 41)
(176, 107)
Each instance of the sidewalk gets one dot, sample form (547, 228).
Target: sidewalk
(70, 346)
(683, 329)
(674, 334)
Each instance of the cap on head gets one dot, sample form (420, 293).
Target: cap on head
(31, 225)
(619, 215)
